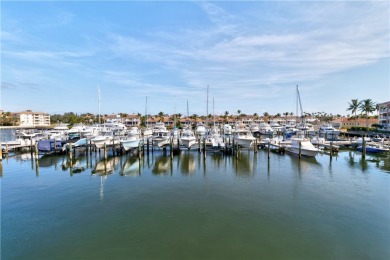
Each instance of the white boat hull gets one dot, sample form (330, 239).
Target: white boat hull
(160, 142)
(187, 143)
(108, 141)
(304, 152)
(130, 144)
(244, 142)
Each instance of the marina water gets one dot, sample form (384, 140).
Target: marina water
(195, 207)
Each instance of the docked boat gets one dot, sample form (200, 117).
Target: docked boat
(200, 129)
(161, 138)
(243, 137)
(371, 148)
(328, 131)
(303, 146)
(266, 129)
(187, 138)
(104, 138)
(214, 140)
(227, 129)
(132, 139)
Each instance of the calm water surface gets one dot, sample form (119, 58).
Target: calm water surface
(219, 207)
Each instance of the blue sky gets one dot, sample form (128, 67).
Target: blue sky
(251, 54)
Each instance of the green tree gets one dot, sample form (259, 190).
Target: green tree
(353, 107)
(367, 106)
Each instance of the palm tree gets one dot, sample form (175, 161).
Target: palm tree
(367, 106)
(161, 116)
(353, 106)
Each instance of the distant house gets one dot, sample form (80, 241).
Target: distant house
(30, 118)
(384, 115)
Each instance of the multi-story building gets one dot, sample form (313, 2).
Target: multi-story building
(30, 118)
(383, 115)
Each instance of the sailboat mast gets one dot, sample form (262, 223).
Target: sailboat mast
(207, 107)
(146, 112)
(188, 113)
(99, 103)
(213, 114)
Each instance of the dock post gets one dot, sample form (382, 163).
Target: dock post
(6, 148)
(36, 150)
(204, 148)
(139, 151)
(104, 151)
(364, 148)
(147, 145)
(199, 147)
(70, 152)
(300, 150)
(31, 151)
(255, 148)
(268, 150)
(171, 147)
(1, 154)
(331, 149)
(326, 136)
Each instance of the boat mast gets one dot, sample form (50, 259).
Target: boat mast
(188, 114)
(146, 112)
(99, 102)
(300, 104)
(207, 107)
(213, 114)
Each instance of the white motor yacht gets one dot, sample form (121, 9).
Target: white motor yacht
(304, 145)
(243, 137)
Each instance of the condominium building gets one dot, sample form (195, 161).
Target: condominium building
(383, 115)
(30, 118)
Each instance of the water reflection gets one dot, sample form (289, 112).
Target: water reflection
(106, 166)
(380, 161)
(187, 163)
(243, 165)
(162, 165)
(131, 167)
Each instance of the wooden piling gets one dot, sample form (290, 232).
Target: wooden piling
(70, 152)
(104, 151)
(199, 146)
(255, 148)
(331, 150)
(1, 154)
(364, 148)
(268, 151)
(147, 145)
(36, 150)
(300, 150)
(171, 147)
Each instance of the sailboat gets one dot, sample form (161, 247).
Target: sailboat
(299, 144)
(214, 138)
(187, 137)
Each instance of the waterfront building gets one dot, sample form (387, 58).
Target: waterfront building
(30, 118)
(348, 122)
(132, 120)
(383, 115)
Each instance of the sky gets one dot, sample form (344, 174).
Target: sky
(250, 55)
